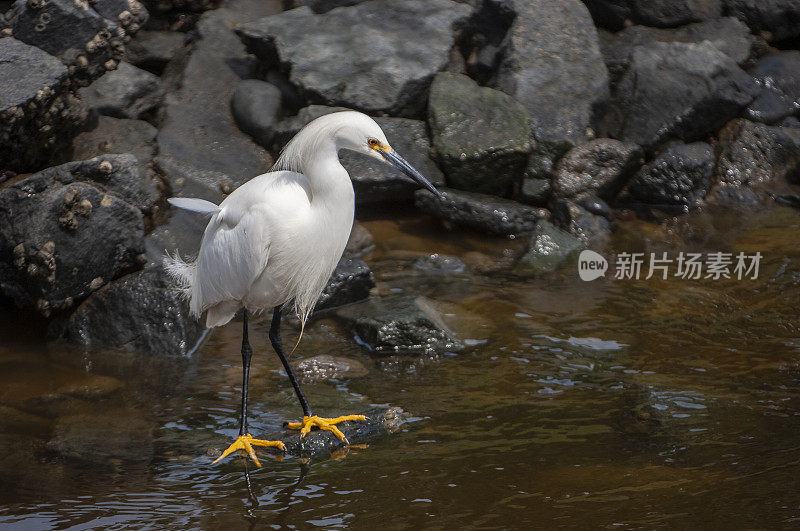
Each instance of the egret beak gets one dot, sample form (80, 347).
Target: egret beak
(401, 164)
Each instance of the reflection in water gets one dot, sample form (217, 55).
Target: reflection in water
(644, 404)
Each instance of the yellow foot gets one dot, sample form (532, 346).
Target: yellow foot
(323, 424)
(246, 443)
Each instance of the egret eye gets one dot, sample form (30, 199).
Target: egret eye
(373, 143)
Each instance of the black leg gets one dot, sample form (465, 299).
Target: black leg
(275, 338)
(247, 353)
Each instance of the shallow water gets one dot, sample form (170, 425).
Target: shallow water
(649, 403)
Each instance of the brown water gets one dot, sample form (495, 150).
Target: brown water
(614, 403)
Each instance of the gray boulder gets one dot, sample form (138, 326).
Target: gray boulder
(678, 90)
(547, 248)
(142, 312)
(551, 64)
(127, 92)
(481, 135)
(399, 325)
(485, 213)
(152, 50)
(38, 113)
(679, 175)
(256, 106)
(777, 19)
(378, 56)
(599, 167)
(68, 230)
(80, 37)
(350, 282)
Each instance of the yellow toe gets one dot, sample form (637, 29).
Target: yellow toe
(327, 424)
(246, 443)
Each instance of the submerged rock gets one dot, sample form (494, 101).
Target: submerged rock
(350, 282)
(101, 438)
(256, 105)
(485, 213)
(325, 367)
(547, 248)
(399, 325)
(398, 47)
(439, 263)
(599, 167)
(68, 230)
(678, 90)
(481, 135)
(38, 113)
(127, 92)
(551, 64)
(679, 175)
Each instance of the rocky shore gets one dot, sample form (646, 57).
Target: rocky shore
(550, 121)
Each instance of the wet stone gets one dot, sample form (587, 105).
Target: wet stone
(547, 249)
(127, 92)
(535, 191)
(679, 175)
(350, 282)
(591, 220)
(360, 242)
(101, 438)
(439, 263)
(599, 167)
(326, 367)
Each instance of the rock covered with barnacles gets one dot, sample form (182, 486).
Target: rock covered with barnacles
(68, 230)
(38, 113)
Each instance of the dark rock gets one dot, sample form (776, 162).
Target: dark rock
(152, 50)
(86, 42)
(535, 191)
(323, 6)
(728, 35)
(256, 105)
(482, 212)
(130, 15)
(404, 45)
(103, 438)
(325, 367)
(360, 242)
(599, 167)
(201, 150)
(117, 135)
(399, 325)
(552, 65)
(591, 225)
(481, 135)
(777, 19)
(180, 7)
(375, 182)
(770, 107)
(439, 263)
(752, 154)
(141, 313)
(781, 72)
(613, 14)
(350, 282)
(678, 90)
(679, 175)
(127, 92)
(38, 113)
(62, 236)
(547, 249)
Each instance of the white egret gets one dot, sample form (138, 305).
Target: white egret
(277, 238)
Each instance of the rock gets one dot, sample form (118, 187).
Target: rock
(485, 213)
(325, 367)
(781, 73)
(678, 90)
(323, 6)
(130, 15)
(613, 14)
(547, 248)
(38, 113)
(86, 42)
(103, 438)
(127, 92)
(350, 282)
(202, 152)
(728, 35)
(118, 135)
(752, 154)
(180, 7)
(360, 242)
(439, 263)
(256, 106)
(679, 175)
(778, 20)
(481, 135)
(599, 167)
(552, 65)
(375, 182)
(142, 312)
(66, 231)
(152, 50)
(398, 48)
(591, 220)
(399, 325)
(535, 191)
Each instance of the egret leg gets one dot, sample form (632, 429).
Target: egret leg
(245, 441)
(309, 419)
